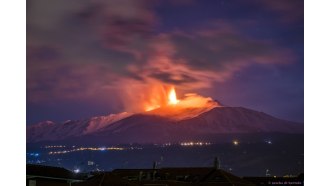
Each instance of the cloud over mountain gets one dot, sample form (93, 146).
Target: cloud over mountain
(92, 49)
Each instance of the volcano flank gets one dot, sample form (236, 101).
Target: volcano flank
(193, 118)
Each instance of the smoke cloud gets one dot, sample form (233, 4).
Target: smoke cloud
(113, 51)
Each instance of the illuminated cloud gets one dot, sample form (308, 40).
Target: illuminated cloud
(102, 50)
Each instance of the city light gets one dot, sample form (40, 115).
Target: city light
(194, 143)
(76, 170)
(235, 142)
(87, 148)
(54, 146)
(268, 142)
(33, 154)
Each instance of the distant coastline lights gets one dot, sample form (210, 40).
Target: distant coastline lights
(87, 148)
(194, 143)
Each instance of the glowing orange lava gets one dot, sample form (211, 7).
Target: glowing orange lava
(151, 107)
(161, 97)
(172, 100)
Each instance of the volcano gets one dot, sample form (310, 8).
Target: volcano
(194, 118)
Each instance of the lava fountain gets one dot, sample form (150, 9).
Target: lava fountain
(172, 100)
(191, 105)
(162, 97)
(164, 101)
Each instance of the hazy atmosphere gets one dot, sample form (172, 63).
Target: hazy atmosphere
(101, 57)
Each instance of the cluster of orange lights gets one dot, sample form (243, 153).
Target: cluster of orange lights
(194, 143)
(87, 148)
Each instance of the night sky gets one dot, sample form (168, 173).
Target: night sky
(88, 58)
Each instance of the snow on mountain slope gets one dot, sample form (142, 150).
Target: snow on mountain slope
(50, 131)
(146, 128)
(163, 125)
(97, 123)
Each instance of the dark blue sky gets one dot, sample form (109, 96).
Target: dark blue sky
(101, 57)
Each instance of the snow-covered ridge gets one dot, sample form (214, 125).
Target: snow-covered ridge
(50, 131)
(184, 120)
(97, 123)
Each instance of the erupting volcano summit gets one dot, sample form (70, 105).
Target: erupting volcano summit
(192, 117)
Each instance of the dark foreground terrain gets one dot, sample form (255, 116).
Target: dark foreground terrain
(172, 176)
(272, 155)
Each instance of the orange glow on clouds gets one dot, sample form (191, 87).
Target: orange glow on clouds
(166, 103)
(158, 98)
(151, 107)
